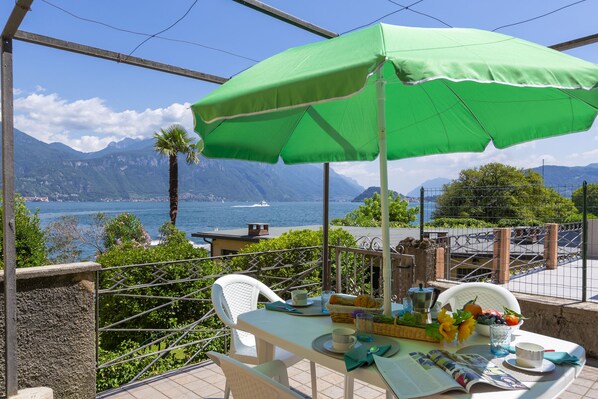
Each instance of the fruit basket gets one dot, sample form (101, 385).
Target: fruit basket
(402, 331)
(484, 329)
(344, 313)
(489, 317)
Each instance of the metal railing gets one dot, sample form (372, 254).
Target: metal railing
(156, 317)
(361, 268)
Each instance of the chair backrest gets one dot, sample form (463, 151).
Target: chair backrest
(490, 296)
(235, 294)
(249, 383)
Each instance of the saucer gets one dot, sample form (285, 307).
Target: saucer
(290, 302)
(328, 346)
(546, 367)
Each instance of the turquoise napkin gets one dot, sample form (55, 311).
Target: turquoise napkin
(281, 307)
(360, 356)
(557, 357)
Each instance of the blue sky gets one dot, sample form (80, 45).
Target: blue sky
(86, 103)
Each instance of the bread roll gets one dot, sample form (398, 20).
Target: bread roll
(343, 299)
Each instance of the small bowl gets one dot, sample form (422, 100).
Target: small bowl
(484, 329)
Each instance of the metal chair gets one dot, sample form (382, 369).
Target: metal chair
(235, 294)
(267, 380)
(490, 296)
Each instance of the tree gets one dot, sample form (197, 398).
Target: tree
(369, 214)
(502, 194)
(125, 228)
(591, 201)
(171, 142)
(30, 240)
(66, 238)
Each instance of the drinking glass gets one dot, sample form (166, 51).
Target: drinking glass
(407, 304)
(364, 324)
(500, 339)
(325, 297)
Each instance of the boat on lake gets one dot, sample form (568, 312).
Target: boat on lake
(262, 203)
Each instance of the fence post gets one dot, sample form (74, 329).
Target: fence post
(502, 254)
(551, 240)
(337, 258)
(440, 263)
(421, 213)
(584, 244)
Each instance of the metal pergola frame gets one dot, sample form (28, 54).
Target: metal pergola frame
(11, 32)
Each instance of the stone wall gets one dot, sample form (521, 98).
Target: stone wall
(56, 329)
(560, 318)
(425, 257)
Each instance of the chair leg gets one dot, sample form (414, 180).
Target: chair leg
(349, 387)
(314, 380)
(226, 390)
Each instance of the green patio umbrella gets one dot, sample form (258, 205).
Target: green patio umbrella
(395, 92)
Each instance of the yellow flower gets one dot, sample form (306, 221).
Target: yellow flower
(466, 329)
(444, 317)
(448, 330)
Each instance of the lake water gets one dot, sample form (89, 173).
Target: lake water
(197, 216)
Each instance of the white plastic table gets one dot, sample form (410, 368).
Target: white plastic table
(295, 334)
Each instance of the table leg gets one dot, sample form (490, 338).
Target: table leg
(265, 350)
(349, 385)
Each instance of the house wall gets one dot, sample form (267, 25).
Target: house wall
(232, 245)
(56, 329)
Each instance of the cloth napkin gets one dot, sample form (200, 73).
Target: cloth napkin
(281, 307)
(557, 357)
(361, 357)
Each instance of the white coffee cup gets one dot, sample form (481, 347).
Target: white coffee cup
(343, 338)
(299, 297)
(529, 354)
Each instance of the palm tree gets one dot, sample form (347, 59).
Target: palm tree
(171, 142)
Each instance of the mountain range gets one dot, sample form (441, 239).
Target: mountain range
(132, 170)
(569, 176)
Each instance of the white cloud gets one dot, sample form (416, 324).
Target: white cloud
(405, 175)
(89, 124)
(39, 88)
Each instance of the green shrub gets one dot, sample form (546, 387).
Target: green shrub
(166, 286)
(125, 228)
(30, 240)
(267, 265)
(369, 214)
(518, 222)
(458, 223)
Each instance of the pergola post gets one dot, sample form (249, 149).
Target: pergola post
(8, 222)
(8, 198)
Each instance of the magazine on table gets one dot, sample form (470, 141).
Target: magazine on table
(438, 371)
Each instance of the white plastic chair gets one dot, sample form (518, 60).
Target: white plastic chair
(235, 294)
(490, 296)
(268, 380)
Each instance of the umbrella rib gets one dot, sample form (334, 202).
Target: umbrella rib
(567, 93)
(468, 109)
(292, 130)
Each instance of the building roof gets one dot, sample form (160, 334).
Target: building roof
(396, 234)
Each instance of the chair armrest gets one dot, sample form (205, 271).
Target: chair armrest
(221, 307)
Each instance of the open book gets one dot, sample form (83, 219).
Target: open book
(440, 371)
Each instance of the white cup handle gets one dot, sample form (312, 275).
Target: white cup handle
(353, 340)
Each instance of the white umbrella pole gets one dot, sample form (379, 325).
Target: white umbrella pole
(386, 267)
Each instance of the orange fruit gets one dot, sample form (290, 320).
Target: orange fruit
(511, 320)
(474, 309)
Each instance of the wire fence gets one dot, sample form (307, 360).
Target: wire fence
(545, 254)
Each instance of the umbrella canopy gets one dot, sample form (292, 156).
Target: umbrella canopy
(397, 92)
(447, 90)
